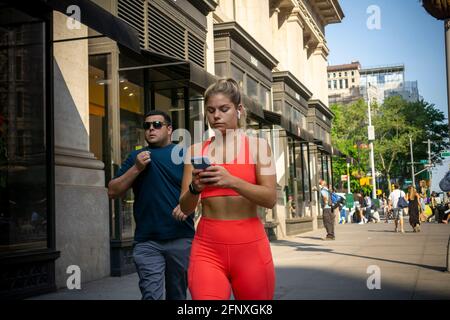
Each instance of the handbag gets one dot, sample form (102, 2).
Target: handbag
(402, 203)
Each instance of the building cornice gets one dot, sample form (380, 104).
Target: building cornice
(312, 30)
(329, 11)
(205, 6)
(236, 32)
(319, 105)
(293, 82)
(286, 4)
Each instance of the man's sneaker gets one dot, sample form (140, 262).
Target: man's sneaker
(327, 238)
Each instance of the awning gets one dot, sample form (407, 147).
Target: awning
(91, 15)
(165, 72)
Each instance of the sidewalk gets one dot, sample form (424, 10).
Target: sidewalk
(412, 266)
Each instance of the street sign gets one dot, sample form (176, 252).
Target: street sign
(349, 200)
(408, 181)
(371, 133)
(445, 154)
(424, 161)
(344, 177)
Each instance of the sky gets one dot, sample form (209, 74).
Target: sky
(407, 35)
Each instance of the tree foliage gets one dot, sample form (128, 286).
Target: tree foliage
(395, 122)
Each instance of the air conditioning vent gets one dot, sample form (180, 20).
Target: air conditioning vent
(132, 11)
(165, 35)
(196, 50)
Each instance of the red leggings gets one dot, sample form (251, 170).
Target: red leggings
(231, 254)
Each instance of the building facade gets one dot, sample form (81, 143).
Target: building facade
(344, 83)
(74, 97)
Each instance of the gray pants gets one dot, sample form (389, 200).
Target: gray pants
(329, 221)
(163, 262)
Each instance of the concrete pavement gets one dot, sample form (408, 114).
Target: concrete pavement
(411, 266)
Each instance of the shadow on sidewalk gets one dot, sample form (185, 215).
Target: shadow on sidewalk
(295, 283)
(314, 248)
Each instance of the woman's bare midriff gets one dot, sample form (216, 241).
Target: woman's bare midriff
(228, 208)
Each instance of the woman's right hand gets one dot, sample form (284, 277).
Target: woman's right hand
(198, 186)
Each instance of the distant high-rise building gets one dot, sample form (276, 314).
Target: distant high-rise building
(408, 90)
(384, 79)
(344, 83)
(349, 82)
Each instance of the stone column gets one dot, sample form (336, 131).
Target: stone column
(81, 208)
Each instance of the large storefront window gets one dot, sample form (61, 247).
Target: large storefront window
(252, 88)
(320, 166)
(171, 101)
(24, 185)
(306, 172)
(238, 75)
(99, 80)
(300, 180)
(264, 97)
(132, 113)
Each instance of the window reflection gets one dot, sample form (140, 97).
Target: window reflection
(23, 165)
(132, 113)
(252, 88)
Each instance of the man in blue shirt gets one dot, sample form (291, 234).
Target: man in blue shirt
(162, 243)
(328, 214)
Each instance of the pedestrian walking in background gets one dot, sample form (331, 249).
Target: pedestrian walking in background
(434, 201)
(162, 244)
(414, 209)
(385, 206)
(423, 194)
(329, 218)
(368, 208)
(231, 250)
(362, 207)
(394, 199)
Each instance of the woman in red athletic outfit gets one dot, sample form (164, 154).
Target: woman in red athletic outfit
(230, 249)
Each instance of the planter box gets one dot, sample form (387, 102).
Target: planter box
(298, 225)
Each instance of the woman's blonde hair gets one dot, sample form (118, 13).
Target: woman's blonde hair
(229, 88)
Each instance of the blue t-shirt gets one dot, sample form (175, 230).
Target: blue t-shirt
(325, 193)
(156, 194)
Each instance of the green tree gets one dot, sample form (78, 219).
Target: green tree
(433, 125)
(349, 133)
(392, 133)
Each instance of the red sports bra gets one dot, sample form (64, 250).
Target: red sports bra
(244, 169)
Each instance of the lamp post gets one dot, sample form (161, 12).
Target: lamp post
(440, 9)
(428, 142)
(348, 177)
(371, 136)
(412, 162)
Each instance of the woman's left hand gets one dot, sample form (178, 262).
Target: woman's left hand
(217, 176)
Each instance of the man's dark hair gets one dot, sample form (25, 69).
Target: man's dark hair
(159, 113)
(396, 186)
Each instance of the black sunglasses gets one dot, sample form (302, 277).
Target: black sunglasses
(156, 124)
